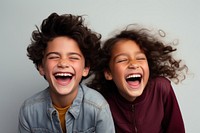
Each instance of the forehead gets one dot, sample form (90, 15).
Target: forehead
(125, 46)
(63, 44)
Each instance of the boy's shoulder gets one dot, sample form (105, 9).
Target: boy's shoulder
(37, 97)
(92, 96)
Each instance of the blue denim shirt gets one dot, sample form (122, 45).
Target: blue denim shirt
(88, 113)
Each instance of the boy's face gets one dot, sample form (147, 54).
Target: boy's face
(128, 69)
(63, 66)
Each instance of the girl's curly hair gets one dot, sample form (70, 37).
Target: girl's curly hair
(159, 57)
(64, 25)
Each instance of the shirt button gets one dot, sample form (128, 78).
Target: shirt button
(54, 113)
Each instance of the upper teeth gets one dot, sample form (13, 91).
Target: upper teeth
(63, 74)
(134, 76)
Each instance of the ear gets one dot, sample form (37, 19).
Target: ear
(41, 70)
(86, 71)
(107, 75)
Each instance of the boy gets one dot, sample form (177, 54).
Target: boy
(64, 53)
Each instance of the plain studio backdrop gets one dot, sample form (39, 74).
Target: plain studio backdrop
(20, 80)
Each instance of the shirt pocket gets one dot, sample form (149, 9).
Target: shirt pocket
(90, 130)
(42, 130)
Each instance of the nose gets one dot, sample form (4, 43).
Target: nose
(133, 64)
(63, 63)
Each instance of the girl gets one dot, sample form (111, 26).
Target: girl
(133, 73)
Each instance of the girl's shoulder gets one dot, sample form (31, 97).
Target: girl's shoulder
(161, 85)
(160, 81)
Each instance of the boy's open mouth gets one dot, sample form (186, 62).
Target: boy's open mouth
(134, 79)
(63, 77)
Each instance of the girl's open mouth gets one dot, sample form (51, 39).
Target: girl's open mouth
(134, 79)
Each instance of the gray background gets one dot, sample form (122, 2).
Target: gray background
(19, 78)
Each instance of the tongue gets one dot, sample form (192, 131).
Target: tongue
(133, 83)
(63, 81)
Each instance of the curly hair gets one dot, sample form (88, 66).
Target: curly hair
(64, 25)
(159, 56)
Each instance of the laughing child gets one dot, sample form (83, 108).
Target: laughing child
(133, 73)
(63, 51)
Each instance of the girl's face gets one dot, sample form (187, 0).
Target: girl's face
(128, 69)
(63, 66)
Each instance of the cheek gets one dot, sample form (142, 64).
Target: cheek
(49, 66)
(146, 66)
(117, 73)
(146, 72)
(79, 68)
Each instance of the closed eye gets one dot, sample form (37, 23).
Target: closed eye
(122, 60)
(53, 57)
(141, 58)
(75, 57)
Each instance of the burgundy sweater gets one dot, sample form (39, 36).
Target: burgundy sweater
(155, 111)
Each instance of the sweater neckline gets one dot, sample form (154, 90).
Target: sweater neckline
(128, 104)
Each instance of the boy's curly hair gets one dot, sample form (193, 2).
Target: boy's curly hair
(159, 57)
(64, 25)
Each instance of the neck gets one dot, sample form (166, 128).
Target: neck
(62, 101)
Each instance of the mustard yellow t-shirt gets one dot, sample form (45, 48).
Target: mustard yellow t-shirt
(62, 112)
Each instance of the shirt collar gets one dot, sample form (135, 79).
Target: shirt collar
(76, 105)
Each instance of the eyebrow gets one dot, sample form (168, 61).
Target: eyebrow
(51, 53)
(122, 54)
(57, 53)
(125, 54)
